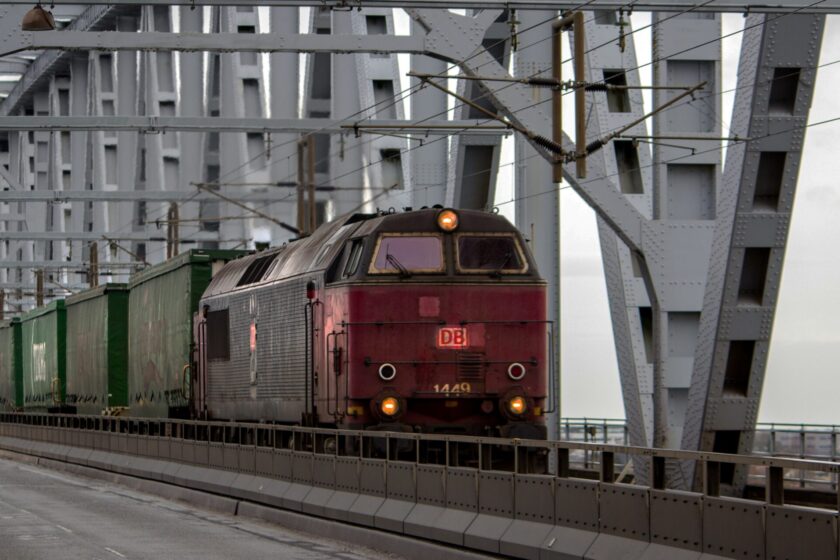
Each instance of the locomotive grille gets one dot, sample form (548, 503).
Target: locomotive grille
(470, 365)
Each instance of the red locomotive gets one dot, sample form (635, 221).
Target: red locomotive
(431, 320)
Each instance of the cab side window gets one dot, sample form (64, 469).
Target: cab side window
(353, 260)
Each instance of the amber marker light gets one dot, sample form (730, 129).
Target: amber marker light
(389, 406)
(447, 220)
(517, 406)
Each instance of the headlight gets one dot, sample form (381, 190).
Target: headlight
(517, 406)
(447, 220)
(389, 406)
(387, 372)
(516, 371)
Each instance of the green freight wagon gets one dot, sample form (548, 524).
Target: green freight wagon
(97, 349)
(161, 303)
(11, 366)
(44, 335)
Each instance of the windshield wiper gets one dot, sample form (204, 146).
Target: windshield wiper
(391, 259)
(498, 272)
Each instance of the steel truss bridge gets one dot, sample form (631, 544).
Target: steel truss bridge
(421, 485)
(107, 127)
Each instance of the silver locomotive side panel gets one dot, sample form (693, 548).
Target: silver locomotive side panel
(264, 377)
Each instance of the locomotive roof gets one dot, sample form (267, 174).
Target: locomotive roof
(317, 251)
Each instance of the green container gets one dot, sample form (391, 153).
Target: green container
(161, 304)
(44, 335)
(11, 365)
(97, 349)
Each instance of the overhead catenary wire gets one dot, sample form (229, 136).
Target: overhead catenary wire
(408, 190)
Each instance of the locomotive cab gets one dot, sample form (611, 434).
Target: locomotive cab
(436, 322)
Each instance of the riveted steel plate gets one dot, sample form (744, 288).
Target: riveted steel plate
(323, 474)
(372, 477)
(175, 449)
(401, 481)
(294, 496)
(282, 465)
(201, 453)
(462, 488)
(247, 458)
(624, 511)
(611, 547)
(535, 498)
(495, 494)
(142, 446)
(164, 446)
(391, 515)
(302, 468)
(798, 532)
(721, 516)
(566, 543)
(576, 503)
(485, 531)
(188, 452)
(676, 519)
(215, 454)
(347, 474)
(316, 500)
(264, 461)
(523, 539)
(430, 487)
(363, 510)
(339, 504)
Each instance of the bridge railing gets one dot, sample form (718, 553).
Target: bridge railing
(520, 498)
(803, 441)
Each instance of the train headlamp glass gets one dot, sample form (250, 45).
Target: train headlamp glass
(517, 406)
(389, 406)
(447, 220)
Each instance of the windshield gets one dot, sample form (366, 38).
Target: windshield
(489, 253)
(402, 254)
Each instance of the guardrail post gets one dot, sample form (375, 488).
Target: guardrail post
(775, 486)
(658, 472)
(607, 466)
(711, 478)
(563, 462)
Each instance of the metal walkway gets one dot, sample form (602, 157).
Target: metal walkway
(391, 484)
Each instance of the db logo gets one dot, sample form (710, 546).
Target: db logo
(452, 337)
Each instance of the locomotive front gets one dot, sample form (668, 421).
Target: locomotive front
(435, 321)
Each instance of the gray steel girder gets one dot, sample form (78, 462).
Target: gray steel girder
(776, 77)
(93, 18)
(211, 42)
(273, 196)
(736, 6)
(626, 288)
